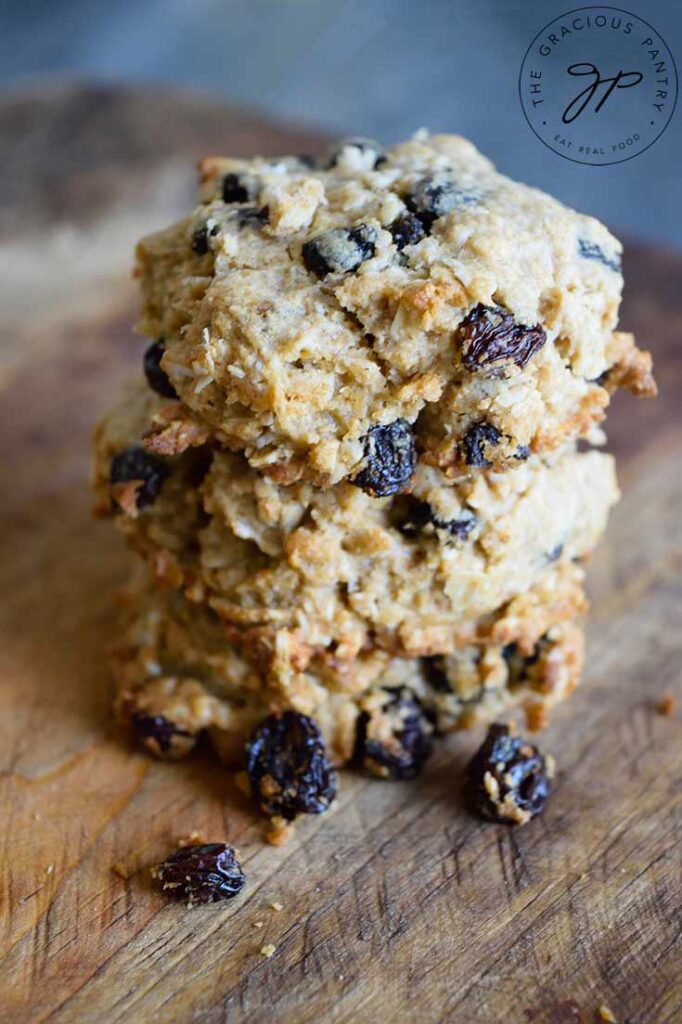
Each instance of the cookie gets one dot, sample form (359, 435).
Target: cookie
(408, 573)
(181, 672)
(384, 309)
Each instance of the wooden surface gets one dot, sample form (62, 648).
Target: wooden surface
(397, 906)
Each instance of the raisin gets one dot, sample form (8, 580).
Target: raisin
(240, 188)
(306, 160)
(395, 739)
(419, 516)
(162, 737)
(340, 250)
(434, 197)
(200, 243)
(157, 378)
(519, 665)
(288, 767)
(336, 152)
(433, 669)
(407, 229)
(522, 452)
(201, 874)
(390, 458)
(490, 336)
(475, 442)
(137, 465)
(252, 216)
(592, 251)
(508, 778)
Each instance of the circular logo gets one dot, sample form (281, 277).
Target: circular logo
(598, 85)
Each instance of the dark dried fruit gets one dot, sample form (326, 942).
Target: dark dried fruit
(252, 216)
(476, 442)
(407, 229)
(240, 188)
(522, 452)
(288, 768)
(390, 458)
(157, 378)
(339, 251)
(201, 874)
(201, 236)
(592, 251)
(435, 675)
(508, 778)
(418, 517)
(490, 337)
(520, 665)
(139, 466)
(602, 379)
(434, 197)
(334, 154)
(395, 739)
(162, 737)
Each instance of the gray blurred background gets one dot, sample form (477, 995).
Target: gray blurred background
(376, 67)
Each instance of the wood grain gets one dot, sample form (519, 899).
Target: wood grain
(397, 906)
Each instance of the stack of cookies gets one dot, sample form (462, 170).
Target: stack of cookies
(351, 467)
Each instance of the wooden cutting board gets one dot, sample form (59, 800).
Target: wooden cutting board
(397, 906)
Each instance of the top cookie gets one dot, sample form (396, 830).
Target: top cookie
(350, 318)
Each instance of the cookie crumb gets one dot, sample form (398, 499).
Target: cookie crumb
(49, 869)
(257, 924)
(276, 905)
(120, 869)
(241, 781)
(606, 1015)
(665, 705)
(536, 717)
(193, 838)
(268, 950)
(280, 833)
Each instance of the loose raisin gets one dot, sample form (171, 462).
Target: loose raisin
(592, 251)
(395, 739)
(476, 442)
(288, 767)
(139, 466)
(201, 874)
(240, 188)
(418, 517)
(490, 337)
(390, 457)
(337, 154)
(508, 778)
(157, 378)
(434, 197)
(339, 251)
(162, 737)
(407, 229)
